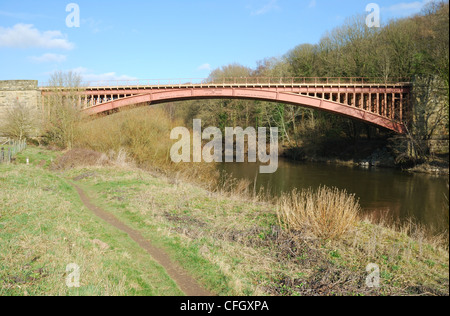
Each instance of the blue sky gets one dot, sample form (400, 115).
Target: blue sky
(151, 39)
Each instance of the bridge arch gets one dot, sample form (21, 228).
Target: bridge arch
(162, 96)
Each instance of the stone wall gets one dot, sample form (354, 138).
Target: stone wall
(25, 92)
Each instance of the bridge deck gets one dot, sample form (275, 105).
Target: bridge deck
(236, 85)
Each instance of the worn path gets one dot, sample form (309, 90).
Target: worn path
(185, 282)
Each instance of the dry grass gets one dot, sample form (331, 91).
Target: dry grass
(142, 135)
(142, 132)
(437, 237)
(89, 158)
(325, 213)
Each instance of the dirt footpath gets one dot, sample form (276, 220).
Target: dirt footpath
(185, 282)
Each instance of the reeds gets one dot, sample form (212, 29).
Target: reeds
(327, 213)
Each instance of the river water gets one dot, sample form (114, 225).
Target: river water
(388, 193)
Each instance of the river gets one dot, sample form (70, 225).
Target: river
(393, 194)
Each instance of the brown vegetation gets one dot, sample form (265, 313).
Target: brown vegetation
(61, 112)
(326, 213)
(80, 158)
(20, 122)
(143, 135)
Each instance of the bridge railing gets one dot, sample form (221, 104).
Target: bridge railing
(242, 81)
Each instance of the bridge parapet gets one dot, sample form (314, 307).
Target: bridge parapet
(239, 81)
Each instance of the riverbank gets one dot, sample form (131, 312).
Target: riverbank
(435, 166)
(232, 244)
(366, 154)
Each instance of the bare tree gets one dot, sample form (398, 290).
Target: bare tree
(61, 108)
(20, 122)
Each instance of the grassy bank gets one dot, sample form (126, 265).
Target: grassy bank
(44, 227)
(232, 244)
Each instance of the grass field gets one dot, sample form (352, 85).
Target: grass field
(44, 227)
(230, 244)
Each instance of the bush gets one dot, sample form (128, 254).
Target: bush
(325, 213)
(143, 133)
(20, 122)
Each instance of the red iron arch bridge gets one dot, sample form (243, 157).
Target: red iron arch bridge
(382, 104)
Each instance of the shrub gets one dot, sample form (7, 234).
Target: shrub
(327, 213)
(20, 122)
(143, 133)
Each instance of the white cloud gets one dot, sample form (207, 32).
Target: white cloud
(92, 78)
(205, 67)
(407, 7)
(27, 36)
(270, 6)
(312, 4)
(49, 58)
